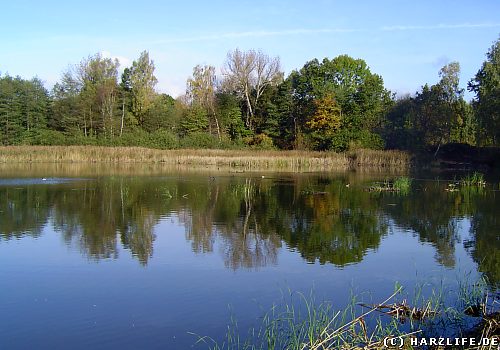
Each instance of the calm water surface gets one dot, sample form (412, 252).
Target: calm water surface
(96, 259)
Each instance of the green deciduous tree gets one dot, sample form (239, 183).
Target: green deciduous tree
(229, 113)
(201, 89)
(486, 86)
(99, 90)
(360, 95)
(441, 114)
(398, 130)
(141, 81)
(194, 120)
(86, 99)
(165, 113)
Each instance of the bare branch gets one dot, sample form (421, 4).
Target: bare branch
(248, 74)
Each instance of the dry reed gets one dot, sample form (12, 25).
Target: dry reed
(245, 159)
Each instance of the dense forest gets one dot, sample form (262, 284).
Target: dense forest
(334, 104)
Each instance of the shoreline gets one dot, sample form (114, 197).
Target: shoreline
(234, 159)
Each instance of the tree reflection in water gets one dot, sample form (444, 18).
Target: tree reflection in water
(250, 219)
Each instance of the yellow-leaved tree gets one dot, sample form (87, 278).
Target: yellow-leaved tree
(325, 121)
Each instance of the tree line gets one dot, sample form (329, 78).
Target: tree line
(334, 104)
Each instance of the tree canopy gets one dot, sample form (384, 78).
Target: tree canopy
(330, 104)
(486, 86)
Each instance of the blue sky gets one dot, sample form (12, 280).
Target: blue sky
(406, 42)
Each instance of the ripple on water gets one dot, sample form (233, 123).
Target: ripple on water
(37, 181)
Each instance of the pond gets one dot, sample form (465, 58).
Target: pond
(157, 258)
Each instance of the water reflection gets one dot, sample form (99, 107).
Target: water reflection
(23, 211)
(485, 232)
(250, 218)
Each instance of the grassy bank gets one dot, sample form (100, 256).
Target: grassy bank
(304, 324)
(247, 159)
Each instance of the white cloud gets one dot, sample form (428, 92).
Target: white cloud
(253, 34)
(124, 61)
(440, 26)
(441, 61)
(175, 86)
(302, 31)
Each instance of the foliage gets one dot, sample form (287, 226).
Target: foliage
(367, 140)
(230, 116)
(440, 108)
(334, 104)
(199, 140)
(474, 179)
(247, 74)
(201, 90)
(360, 99)
(161, 139)
(260, 141)
(195, 120)
(50, 138)
(86, 98)
(325, 121)
(23, 109)
(164, 113)
(402, 184)
(486, 86)
(141, 82)
(398, 132)
(436, 115)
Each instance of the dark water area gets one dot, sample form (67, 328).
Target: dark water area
(129, 260)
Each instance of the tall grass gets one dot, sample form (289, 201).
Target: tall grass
(400, 185)
(470, 184)
(247, 159)
(475, 179)
(308, 325)
(390, 158)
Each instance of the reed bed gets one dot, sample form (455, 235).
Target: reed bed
(473, 180)
(307, 325)
(245, 159)
(390, 158)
